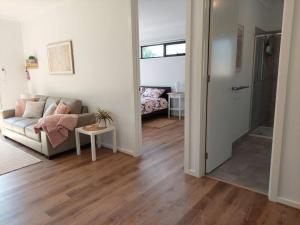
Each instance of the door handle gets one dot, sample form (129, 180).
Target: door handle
(239, 88)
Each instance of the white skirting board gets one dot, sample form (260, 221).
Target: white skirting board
(123, 150)
(288, 202)
(191, 172)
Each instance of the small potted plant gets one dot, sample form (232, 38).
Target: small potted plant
(32, 59)
(103, 116)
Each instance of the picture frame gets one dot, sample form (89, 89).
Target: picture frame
(60, 58)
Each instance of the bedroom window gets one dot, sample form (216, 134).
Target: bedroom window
(163, 50)
(175, 49)
(152, 51)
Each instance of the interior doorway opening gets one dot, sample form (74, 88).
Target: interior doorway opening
(162, 45)
(266, 60)
(244, 57)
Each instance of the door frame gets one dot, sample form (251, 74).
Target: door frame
(283, 69)
(192, 154)
(195, 98)
(281, 94)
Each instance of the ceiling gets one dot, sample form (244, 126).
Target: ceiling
(161, 20)
(22, 9)
(155, 13)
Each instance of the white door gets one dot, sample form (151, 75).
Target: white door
(223, 42)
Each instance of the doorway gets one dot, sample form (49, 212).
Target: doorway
(243, 67)
(265, 73)
(162, 45)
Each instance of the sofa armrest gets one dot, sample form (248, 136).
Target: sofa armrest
(86, 119)
(7, 113)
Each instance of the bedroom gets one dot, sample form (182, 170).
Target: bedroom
(162, 71)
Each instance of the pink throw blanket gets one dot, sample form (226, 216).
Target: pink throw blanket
(57, 127)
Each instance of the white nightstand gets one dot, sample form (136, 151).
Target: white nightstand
(93, 135)
(179, 96)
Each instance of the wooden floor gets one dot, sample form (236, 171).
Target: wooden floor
(119, 189)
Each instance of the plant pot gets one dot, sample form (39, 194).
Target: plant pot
(102, 124)
(32, 60)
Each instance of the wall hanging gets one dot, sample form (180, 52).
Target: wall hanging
(60, 58)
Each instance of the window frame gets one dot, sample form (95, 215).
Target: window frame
(145, 46)
(165, 44)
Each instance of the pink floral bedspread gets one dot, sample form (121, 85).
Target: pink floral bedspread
(149, 105)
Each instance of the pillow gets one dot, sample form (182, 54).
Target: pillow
(74, 104)
(35, 99)
(20, 107)
(50, 110)
(62, 108)
(142, 90)
(34, 109)
(153, 92)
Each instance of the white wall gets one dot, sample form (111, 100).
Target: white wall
(251, 14)
(13, 80)
(101, 35)
(161, 21)
(163, 71)
(289, 183)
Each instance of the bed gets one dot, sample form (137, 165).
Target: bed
(154, 101)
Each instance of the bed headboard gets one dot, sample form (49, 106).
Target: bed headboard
(165, 94)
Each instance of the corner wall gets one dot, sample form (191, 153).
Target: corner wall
(101, 34)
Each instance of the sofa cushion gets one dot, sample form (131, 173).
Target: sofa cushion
(50, 111)
(20, 107)
(42, 98)
(62, 108)
(51, 100)
(74, 104)
(8, 123)
(19, 126)
(30, 133)
(34, 109)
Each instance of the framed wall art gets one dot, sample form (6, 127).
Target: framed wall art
(60, 58)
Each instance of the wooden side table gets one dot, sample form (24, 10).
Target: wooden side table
(93, 134)
(179, 96)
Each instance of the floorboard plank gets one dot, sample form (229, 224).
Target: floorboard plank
(120, 189)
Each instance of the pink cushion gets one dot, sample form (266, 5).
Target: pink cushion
(62, 108)
(20, 107)
(21, 104)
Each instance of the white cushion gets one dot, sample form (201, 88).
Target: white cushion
(50, 110)
(34, 109)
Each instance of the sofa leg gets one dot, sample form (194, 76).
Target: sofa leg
(50, 157)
